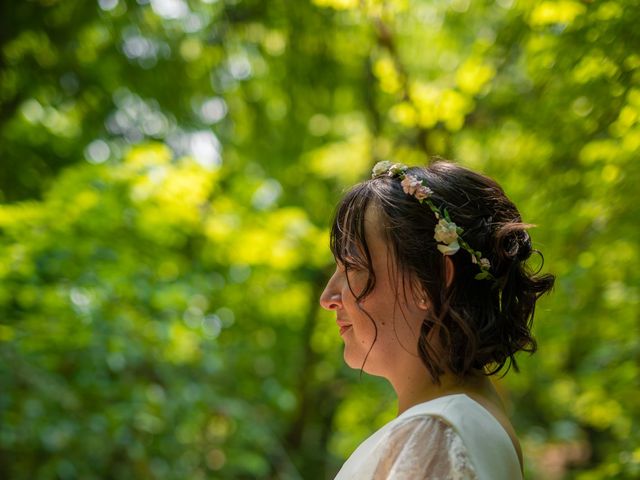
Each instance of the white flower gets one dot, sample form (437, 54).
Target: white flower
(397, 169)
(485, 264)
(450, 249)
(381, 168)
(446, 232)
(410, 184)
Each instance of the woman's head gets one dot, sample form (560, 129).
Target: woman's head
(464, 323)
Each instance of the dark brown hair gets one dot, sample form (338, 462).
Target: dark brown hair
(472, 324)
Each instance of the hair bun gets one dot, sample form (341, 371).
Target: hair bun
(523, 246)
(513, 242)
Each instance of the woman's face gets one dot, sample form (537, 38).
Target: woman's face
(392, 306)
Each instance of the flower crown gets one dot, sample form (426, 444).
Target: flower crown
(447, 233)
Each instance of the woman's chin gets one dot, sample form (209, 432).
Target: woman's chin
(353, 361)
(357, 362)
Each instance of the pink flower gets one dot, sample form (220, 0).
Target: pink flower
(410, 184)
(423, 192)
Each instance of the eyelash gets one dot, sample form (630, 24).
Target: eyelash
(354, 267)
(347, 265)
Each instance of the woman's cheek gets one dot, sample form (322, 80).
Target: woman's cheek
(358, 281)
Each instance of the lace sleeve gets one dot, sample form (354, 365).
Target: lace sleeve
(423, 447)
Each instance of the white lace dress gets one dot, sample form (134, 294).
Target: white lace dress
(449, 438)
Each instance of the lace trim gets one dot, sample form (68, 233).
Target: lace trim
(459, 457)
(423, 447)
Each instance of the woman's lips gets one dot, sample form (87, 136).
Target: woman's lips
(344, 328)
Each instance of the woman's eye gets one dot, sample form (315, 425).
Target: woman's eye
(350, 265)
(355, 268)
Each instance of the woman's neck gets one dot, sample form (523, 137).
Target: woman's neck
(417, 387)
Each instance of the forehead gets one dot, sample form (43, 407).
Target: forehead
(358, 231)
(373, 226)
(375, 232)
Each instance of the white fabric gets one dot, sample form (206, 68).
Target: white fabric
(450, 438)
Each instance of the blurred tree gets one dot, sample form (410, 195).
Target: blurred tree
(166, 171)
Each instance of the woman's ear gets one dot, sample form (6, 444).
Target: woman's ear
(420, 295)
(422, 299)
(423, 303)
(450, 270)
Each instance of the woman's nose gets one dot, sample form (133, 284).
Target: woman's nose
(331, 299)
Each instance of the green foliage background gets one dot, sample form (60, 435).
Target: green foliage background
(169, 169)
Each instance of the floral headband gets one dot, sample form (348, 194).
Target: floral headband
(446, 232)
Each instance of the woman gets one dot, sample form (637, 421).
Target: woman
(431, 292)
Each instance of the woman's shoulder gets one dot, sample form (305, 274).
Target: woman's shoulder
(423, 446)
(453, 433)
(415, 447)
(466, 415)
(487, 439)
